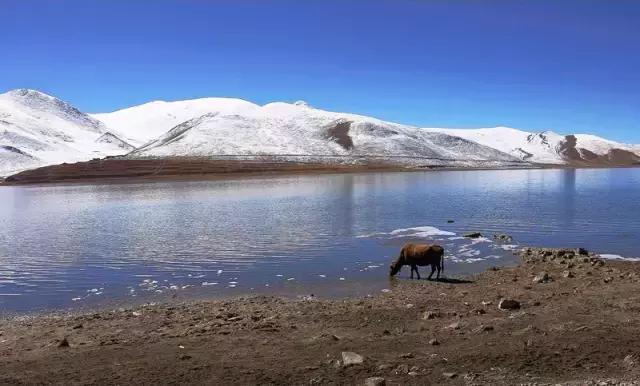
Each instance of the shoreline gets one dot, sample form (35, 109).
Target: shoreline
(578, 323)
(124, 171)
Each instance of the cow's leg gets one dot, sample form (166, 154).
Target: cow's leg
(412, 271)
(433, 269)
(417, 273)
(438, 274)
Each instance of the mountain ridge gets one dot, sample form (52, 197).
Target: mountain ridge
(45, 130)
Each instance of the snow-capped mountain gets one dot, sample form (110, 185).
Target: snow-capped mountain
(602, 146)
(296, 130)
(149, 121)
(550, 148)
(37, 129)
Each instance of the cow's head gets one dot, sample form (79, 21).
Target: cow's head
(394, 268)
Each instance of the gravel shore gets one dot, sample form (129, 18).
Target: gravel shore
(561, 316)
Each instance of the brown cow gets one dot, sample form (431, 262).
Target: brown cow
(416, 255)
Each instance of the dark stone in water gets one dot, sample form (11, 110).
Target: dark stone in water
(502, 237)
(473, 235)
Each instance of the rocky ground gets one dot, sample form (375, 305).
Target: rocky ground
(559, 317)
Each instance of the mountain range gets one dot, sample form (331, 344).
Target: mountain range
(37, 129)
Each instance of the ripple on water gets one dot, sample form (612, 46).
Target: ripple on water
(70, 239)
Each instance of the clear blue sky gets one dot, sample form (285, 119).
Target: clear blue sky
(571, 66)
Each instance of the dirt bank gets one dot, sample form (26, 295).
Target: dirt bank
(121, 169)
(128, 170)
(578, 323)
(172, 169)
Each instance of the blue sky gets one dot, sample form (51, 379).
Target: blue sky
(570, 66)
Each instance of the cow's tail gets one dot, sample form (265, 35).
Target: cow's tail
(442, 262)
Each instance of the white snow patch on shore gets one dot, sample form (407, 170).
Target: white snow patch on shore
(618, 257)
(420, 232)
(480, 240)
(507, 247)
(424, 231)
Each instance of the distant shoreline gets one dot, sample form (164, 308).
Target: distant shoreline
(119, 170)
(124, 170)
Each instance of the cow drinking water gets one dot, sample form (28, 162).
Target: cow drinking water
(415, 255)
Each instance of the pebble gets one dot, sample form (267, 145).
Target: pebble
(629, 361)
(450, 375)
(430, 315)
(483, 328)
(542, 278)
(434, 342)
(63, 343)
(335, 363)
(402, 369)
(375, 381)
(350, 358)
(454, 326)
(509, 304)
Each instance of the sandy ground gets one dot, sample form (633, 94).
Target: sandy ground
(578, 325)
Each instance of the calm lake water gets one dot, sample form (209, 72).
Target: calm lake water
(333, 235)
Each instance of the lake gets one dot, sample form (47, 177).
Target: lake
(74, 246)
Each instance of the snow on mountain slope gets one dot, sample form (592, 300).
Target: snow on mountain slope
(13, 160)
(602, 146)
(42, 130)
(111, 139)
(148, 121)
(540, 147)
(299, 130)
(549, 147)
